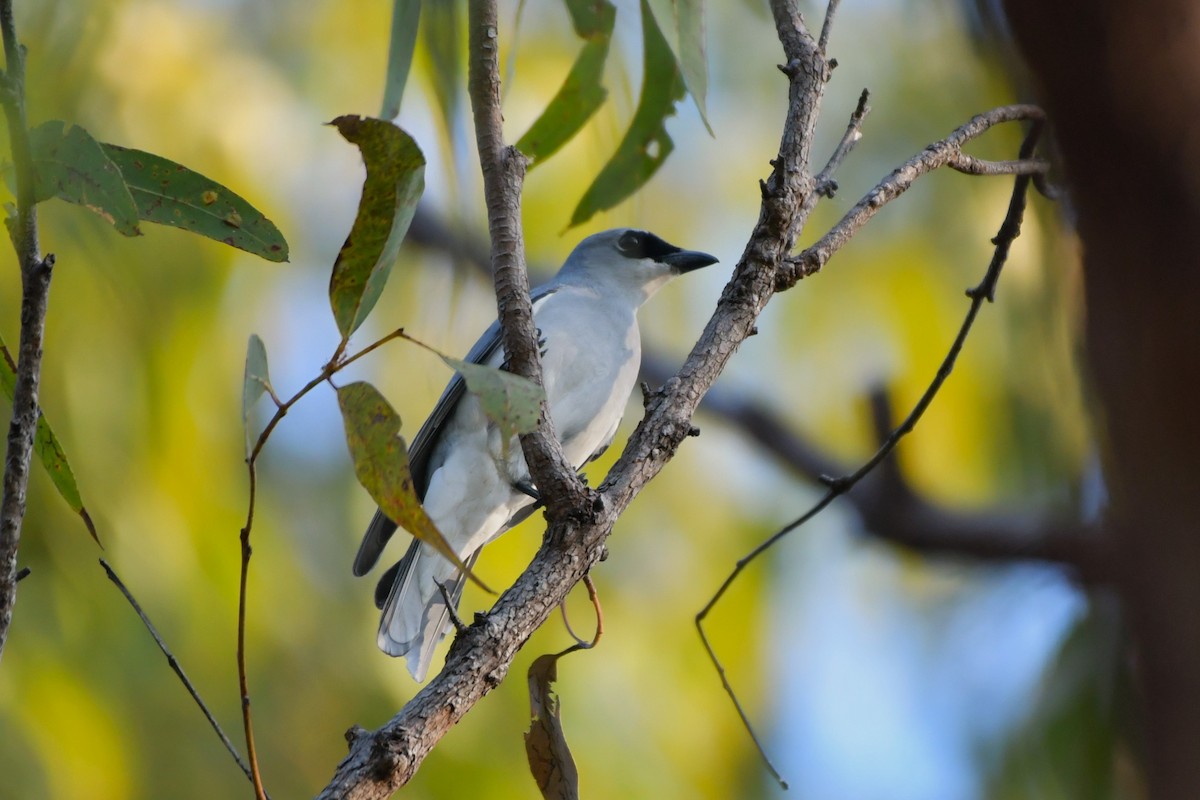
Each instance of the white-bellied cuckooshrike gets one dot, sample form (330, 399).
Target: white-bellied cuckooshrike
(587, 322)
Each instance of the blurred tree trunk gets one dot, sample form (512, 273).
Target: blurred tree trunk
(1121, 82)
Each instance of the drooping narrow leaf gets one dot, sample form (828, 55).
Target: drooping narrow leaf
(508, 400)
(381, 464)
(682, 23)
(550, 759)
(590, 17)
(406, 15)
(171, 194)
(395, 180)
(441, 35)
(255, 382)
(69, 164)
(646, 144)
(46, 445)
(693, 54)
(582, 94)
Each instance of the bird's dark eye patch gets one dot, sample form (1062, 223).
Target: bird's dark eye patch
(640, 244)
(630, 244)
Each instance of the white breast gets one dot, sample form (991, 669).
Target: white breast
(591, 363)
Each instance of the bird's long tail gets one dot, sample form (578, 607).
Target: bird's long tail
(415, 616)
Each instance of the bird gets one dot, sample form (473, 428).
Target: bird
(474, 486)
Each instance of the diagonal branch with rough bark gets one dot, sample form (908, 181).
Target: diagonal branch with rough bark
(580, 521)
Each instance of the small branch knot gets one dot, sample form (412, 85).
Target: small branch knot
(791, 68)
(354, 733)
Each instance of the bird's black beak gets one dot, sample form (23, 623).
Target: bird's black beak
(687, 260)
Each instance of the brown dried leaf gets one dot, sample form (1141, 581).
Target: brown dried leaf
(550, 760)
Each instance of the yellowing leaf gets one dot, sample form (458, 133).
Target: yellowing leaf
(395, 181)
(381, 465)
(46, 445)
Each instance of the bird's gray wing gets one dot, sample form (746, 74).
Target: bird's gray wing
(419, 452)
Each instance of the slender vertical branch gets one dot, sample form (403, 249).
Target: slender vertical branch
(35, 288)
(260, 792)
(337, 362)
(503, 176)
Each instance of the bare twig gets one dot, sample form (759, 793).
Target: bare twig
(452, 612)
(176, 667)
(827, 26)
(23, 573)
(893, 512)
(826, 185)
(35, 289)
(260, 791)
(938, 154)
(984, 291)
(970, 165)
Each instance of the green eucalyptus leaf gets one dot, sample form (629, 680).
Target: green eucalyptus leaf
(646, 144)
(395, 180)
(511, 402)
(46, 445)
(255, 382)
(69, 164)
(381, 464)
(590, 17)
(405, 17)
(682, 23)
(582, 94)
(441, 36)
(171, 194)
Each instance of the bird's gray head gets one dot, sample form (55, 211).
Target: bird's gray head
(630, 260)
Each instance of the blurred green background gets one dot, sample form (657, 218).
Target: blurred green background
(872, 673)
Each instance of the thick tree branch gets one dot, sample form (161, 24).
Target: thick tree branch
(35, 289)
(781, 218)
